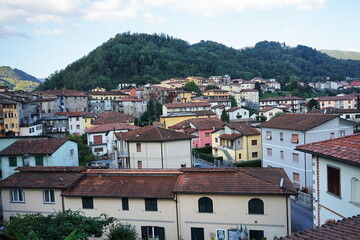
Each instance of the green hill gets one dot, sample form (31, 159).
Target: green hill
(352, 55)
(144, 58)
(17, 80)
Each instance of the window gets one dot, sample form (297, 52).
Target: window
(12, 162)
(282, 154)
(296, 177)
(256, 206)
(17, 196)
(72, 153)
(347, 116)
(151, 204)
(355, 190)
(77, 126)
(125, 204)
(98, 149)
(152, 232)
(139, 163)
(39, 161)
(216, 140)
(138, 147)
(239, 155)
(254, 154)
(295, 157)
(294, 138)
(205, 205)
(281, 135)
(256, 234)
(207, 134)
(269, 151)
(49, 196)
(341, 133)
(98, 139)
(333, 178)
(88, 203)
(254, 142)
(77, 118)
(268, 135)
(332, 135)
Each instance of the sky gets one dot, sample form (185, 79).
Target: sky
(44, 36)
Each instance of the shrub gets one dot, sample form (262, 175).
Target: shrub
(122, 231)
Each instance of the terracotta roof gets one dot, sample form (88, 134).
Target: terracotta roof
(346, 149)
(184, 105)
(299, 122)
(249, 90)
(133, 99)
(280, 98)
(34, 147)
(89, 115)
(125, 185)
(232, 136)
(111, 117)
(262, 181)
(245, 128)
(233, 109)
(110, 126)
(76, 114)
(268, 109)
(67, 93)
(338, 98)
(121, 93)
(43, 177)
(216, 90)
(345, 229)
(154, 134)
(220, 106)
(199, 124)
(331, 110)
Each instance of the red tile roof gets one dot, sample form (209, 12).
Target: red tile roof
(245, 128)
(280, 98)
(346, 149)
(199, 124)
(262, 181)
(338, 98)
(111, 117)
(154, 134)
(110, 126)
(233, 109)
(184, 105)
(298, 122)
(34, 147)
(345, 229)
(232, 136)
(249, 90)
(67, 93)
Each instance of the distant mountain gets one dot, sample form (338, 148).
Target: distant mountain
(17, 79)
(352, 55)
(144, 58)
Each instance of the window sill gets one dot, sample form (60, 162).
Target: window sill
(17, 202)
(49, 203)
(334, 195)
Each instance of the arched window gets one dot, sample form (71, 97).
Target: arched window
(355, 190)
(205, 205)
(256, 206)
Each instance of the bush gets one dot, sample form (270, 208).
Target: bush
(203, 150)
(253, 163)
(123, 232)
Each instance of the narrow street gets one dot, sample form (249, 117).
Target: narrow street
(301, 217)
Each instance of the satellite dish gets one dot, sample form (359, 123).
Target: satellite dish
(281, 182)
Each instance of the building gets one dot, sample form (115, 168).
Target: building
(78, 121)
(237, 142)
(154, 147)
(199, 127)
(162, 204)
(336, 167)
(216, 94)
(112, 117)
(38, 152)
(56, 126)
(281, 135)
(270, 112)
(11, 118)
(237, 113)
(185, 107)
(134, 106)
(291, 103)
(69, 100)
(173, 118)
(350, 101)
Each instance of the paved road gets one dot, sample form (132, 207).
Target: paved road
(301, 217)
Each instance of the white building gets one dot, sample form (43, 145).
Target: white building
(336, 167)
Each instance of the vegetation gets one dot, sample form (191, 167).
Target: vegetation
(225, 117)
(154, 110)
(85, 154)
(211, 86)
(57, 226)
(122, 231)
(191, 87)
(205, 153)
(252, 163)
(313, 104)
(17, 79)
(144, 58)
(233, 101)
(342, 54)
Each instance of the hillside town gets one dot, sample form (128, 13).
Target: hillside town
(190, 158)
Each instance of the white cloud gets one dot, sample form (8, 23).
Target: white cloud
(150, 18)
(44, 18)
(7, 31)
(43, 31)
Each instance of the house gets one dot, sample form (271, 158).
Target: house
(292, 103)
(184, 96)
(237, 113)
(134, 106)
(173, 118)
(270, 112)
(112, 117)
(185, 107)
(237, 142)
(11, 117)
(336, 167)
(107, 95)
(69, 100)
(199, 127)
(345, 229)
(78, 121)
(101, 138)
(38, 152)
(216, 94)
(162, 204)
(56, 126)
(154, 147)
(281, 135)
(33, 130)
(350, 101)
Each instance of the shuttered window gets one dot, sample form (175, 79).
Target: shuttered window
(333, 177)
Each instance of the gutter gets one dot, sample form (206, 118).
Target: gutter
(177, 218)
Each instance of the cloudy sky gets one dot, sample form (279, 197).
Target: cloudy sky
(42, 36)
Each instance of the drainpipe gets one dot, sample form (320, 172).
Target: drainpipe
(305, 162)
(62, 200)
(128, 158)
(318, 189)
(287, 215)
(177, 218)
(162, 155)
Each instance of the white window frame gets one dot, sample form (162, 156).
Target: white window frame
(72, 153)
(17, 196)
(49, 196)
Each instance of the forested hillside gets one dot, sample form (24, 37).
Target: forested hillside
(143, 58)
(17, 79)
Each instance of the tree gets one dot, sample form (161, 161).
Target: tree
(85, 154)
(225, 117)
(313, 104)
(211, 86)
(122, 231)
(278, 114)
(233, 101)
(58, 225)
(191, 87)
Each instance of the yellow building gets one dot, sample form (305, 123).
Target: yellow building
(237, 142)
(184, 96)
(88, 119)
(171, 119)
(217, 93)
(11, 118)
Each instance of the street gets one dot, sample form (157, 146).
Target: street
(301, 217)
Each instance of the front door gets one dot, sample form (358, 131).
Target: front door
(197, 234)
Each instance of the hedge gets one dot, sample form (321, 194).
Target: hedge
(252, 163)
